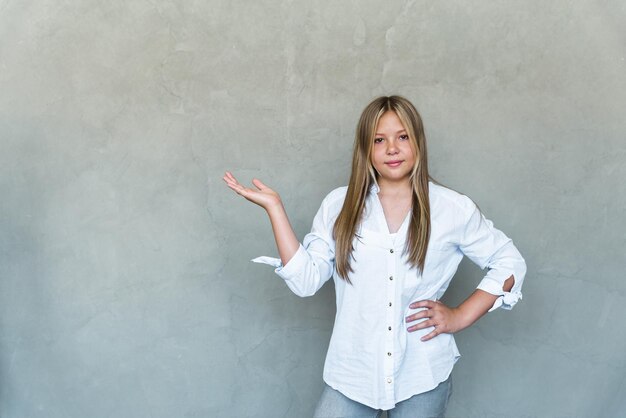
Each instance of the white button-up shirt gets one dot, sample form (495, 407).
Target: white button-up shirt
(372, 358)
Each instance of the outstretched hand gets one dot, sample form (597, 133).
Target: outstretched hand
(261, 195)
(436, 314)
(268, 199)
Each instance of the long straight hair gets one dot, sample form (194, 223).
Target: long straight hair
(363, 176)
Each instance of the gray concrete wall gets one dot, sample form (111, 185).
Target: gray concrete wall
(125, 286)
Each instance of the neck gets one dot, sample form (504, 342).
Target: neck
(395, 188)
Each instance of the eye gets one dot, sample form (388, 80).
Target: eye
(404, 137)
(378, 140)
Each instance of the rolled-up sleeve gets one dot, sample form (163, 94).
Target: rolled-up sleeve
(490, 248)
(314, 261)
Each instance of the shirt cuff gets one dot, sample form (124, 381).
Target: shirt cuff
(506, 300)
(291, 269)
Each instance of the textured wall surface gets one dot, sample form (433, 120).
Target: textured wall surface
(125, 286)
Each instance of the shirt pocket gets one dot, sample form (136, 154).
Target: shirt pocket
(436, 260)
(425, 285)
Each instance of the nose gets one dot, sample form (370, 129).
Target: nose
(392, 147)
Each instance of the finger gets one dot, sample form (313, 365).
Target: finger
(259, 184)
(229, 179)
(237, 188)
(423, 304)
(430, 336)
(426, 313)
(229, 175)
(233, 181)
(233, 185)
(421, 325)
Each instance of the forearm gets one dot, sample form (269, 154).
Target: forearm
(286, 241)
(477, 304)
(269, 200)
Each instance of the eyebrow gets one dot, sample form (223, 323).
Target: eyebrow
(399, 132)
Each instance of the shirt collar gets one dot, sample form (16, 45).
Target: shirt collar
(374, 188)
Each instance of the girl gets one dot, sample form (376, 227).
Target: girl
(391, 241)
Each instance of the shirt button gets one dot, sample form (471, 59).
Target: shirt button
(389, 380)
(389, 303)
(389, 328)
(390, 277)
(389, 354)
(391, 251)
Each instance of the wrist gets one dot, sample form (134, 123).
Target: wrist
(462, 319)
(275, 207)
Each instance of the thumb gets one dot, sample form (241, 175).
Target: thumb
(259, 184)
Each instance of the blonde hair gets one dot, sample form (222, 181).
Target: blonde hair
(363, 175)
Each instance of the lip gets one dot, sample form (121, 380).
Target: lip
(394, 163)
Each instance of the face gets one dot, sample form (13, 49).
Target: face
(392, 155)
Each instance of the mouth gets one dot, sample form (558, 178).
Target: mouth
(394, 163)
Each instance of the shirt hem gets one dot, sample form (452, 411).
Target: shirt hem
(386, 407)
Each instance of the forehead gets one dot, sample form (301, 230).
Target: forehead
(389, 122)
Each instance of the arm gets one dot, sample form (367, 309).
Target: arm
(501, 287)
(268, 199)
(451, 320)
(305, 268)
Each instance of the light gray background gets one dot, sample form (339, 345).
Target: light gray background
(125, 286)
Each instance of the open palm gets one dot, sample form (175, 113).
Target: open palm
(261, 194)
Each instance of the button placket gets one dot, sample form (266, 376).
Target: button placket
(389, 317)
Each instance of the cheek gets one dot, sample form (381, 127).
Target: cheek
(376, 157)
(411, 152)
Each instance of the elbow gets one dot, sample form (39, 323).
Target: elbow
(308, 279)
(509, 283)
(515, 266)
(303, 290)
(519, 275)
(305, 294)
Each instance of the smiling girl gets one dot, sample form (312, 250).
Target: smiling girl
(392, 241)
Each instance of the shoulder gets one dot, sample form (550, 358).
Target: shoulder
(442, 197)
(336, 196)
(333, 201)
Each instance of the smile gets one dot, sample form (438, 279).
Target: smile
(394, 163)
